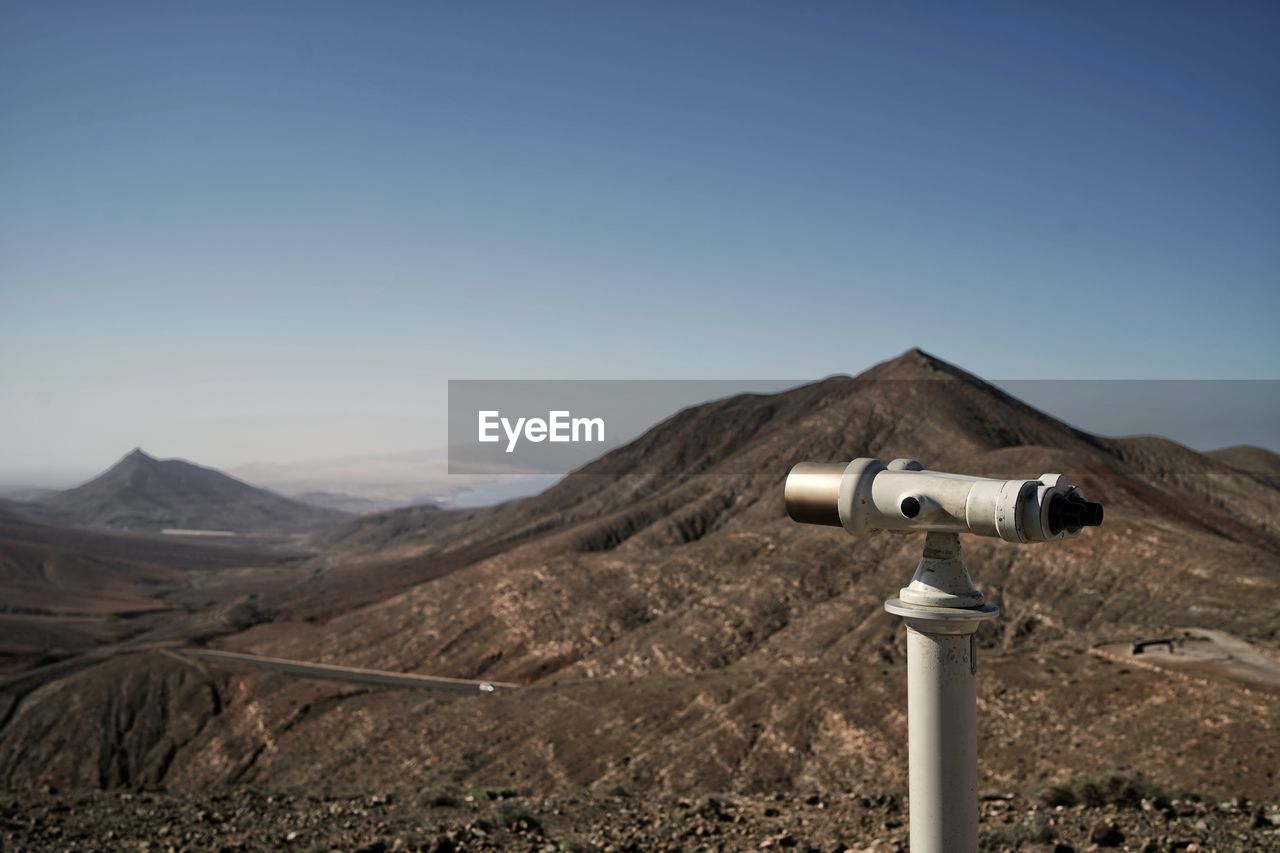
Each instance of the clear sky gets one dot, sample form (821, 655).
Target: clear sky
(242, 231)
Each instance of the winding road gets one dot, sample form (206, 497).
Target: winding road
(358, 675)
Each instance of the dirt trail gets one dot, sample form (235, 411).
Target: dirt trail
(1204, 654)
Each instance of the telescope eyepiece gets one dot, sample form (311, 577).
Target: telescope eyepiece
(1073, 513)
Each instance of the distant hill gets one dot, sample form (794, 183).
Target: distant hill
(142, 494)
(1247, 457)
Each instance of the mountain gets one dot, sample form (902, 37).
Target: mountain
(678, 634)
(143, 494)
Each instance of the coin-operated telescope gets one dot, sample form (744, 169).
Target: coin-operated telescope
(941, 607)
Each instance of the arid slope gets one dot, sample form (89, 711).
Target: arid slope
(679, 634)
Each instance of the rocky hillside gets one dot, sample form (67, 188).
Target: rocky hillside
(679, 634)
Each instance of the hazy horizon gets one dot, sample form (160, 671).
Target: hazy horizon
(1188, 412)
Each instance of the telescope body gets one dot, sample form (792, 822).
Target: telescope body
(866, 496)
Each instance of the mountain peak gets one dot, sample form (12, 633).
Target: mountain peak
(134, 460)
(918, 357)
(915, 363)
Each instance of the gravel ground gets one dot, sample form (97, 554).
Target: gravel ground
(254, 819)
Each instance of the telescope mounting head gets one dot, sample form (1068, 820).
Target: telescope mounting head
(867, 496)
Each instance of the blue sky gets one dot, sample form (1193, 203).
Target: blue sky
(238, 231)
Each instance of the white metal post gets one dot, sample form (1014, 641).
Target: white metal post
(942, 735)
(941, 698)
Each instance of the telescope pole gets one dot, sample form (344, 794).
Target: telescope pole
(941, 699)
